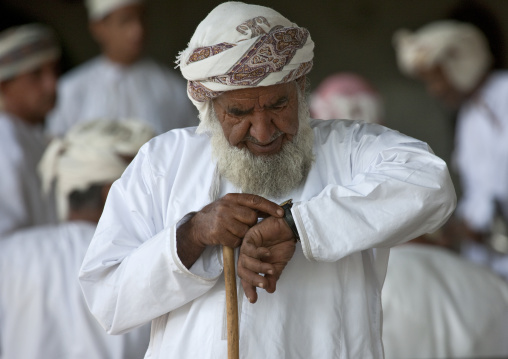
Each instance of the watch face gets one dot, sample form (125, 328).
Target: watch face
(289, 201)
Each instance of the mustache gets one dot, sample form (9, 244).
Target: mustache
(276, 135)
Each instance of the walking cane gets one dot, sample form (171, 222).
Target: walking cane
(231, 302)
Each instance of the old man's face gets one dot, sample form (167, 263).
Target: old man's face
(261, 119)
(262, 140)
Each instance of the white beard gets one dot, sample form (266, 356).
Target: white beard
(272, 176)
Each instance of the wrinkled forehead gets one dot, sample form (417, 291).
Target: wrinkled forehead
(262, 96)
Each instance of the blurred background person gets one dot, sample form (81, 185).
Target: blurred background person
(456, 63)
(121, 82)
(29, 57)
(437, 304)
(346, 95)
(43, 313)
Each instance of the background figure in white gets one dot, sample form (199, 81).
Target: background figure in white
(439, 305)
(346, 96)
(28, 73)
(43, 313)
(456, 63)
(121, 83)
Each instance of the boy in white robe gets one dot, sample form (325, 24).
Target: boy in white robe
(29, 57)
(121, 82)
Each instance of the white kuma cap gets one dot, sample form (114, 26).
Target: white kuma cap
(98, 9)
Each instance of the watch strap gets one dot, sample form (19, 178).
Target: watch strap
(288, 217)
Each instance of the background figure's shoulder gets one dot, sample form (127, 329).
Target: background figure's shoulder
(32, 242)
(83, 72)
(499, 79)
(173, 147)
(12, 148)
(161, 71)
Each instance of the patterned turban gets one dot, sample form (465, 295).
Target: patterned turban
(241, 46)
(91, 153)
(99, 9)
(459, 48)
(25, 48)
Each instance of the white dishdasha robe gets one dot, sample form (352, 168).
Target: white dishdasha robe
(101, 89)
(43, 313)
(22, 202)
(369, 188)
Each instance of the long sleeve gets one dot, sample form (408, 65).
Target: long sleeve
(131, 273)
(398, 190)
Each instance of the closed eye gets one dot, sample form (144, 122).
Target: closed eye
(280, 104)
(236, 112)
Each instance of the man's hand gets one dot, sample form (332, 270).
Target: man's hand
(225, 222)
(266, 249)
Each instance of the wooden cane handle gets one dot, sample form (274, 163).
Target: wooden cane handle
(231, 302)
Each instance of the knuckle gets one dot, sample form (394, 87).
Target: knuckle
(255, 199)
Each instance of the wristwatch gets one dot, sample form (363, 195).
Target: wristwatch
(288, 217)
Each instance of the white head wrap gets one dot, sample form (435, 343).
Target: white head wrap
(346, 95)
(24, 48)
(99, 9)
(90, 153)
(241, 46)
(459, 48)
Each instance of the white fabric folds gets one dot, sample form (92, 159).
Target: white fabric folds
(459, 48)
(24, 48)
(241, 46)
(93, 152)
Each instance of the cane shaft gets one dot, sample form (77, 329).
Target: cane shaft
(231, 302)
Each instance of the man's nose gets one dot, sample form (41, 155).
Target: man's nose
(262, 127)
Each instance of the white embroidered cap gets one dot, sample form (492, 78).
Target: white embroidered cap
(26, 47)
(98, 9)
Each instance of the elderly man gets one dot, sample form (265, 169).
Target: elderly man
(121, 83)
(311, 271)
(29, 57)
(42, 311)
(454, 61)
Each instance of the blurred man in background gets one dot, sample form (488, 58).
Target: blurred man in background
(42, 311)
(121, 83)
(29, 57)
(346, 96)
(454, 60)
